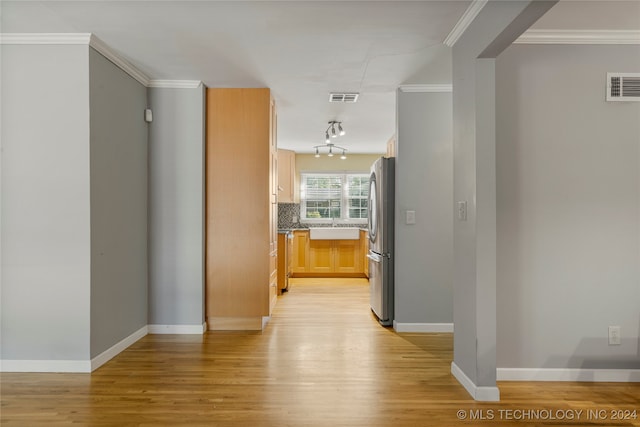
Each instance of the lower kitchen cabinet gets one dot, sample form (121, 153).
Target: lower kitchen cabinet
(321, 256)
(300, 252)
(346, 256)
(328, 258)
(364, 250)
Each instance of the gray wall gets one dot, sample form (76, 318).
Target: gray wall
(474, 120)
(424, 183)
(568, 208)
(118, 204)
(45, 203)
(176, 170)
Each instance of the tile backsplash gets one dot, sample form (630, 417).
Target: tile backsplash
(289, 218)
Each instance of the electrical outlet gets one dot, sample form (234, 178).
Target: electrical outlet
(614, 335)
(462, 211)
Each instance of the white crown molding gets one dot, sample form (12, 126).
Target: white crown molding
(175, 84)
(573, 375)
(579, 37)
(426, 88)
(102, 48)
(45, 38)
(76, 39)
(465, 20)
(481, 394)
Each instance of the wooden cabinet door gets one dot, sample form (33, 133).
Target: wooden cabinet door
(300, 252)
(240, 125)
(321, 256)
(347, 258)
(364, 250)
(285, 179)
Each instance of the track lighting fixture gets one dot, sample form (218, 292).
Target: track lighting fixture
(332, 150)
(334, 133)
(331, 132)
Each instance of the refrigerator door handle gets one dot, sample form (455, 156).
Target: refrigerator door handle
(374, 257)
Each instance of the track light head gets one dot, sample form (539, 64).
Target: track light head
(329, 133)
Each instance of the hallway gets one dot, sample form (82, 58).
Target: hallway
(322, 361)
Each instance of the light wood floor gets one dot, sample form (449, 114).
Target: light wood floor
(323, 361)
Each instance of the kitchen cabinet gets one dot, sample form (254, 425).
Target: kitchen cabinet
(346, 256)
(287, 192)
(300, 252)
(242, 210)
(391, 147)
(326, 258)
(273, 201)
(364, 250)
(284, 260)
(321, 256)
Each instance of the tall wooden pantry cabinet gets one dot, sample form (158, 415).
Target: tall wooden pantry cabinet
(242, 208)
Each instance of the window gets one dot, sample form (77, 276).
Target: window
(325, 196)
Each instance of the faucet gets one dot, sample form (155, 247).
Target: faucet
(333, 221)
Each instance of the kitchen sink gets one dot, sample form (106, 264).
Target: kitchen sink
(334, 233)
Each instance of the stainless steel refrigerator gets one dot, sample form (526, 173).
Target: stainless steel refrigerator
(381, 224)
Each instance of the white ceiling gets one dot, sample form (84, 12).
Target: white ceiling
(302, 50)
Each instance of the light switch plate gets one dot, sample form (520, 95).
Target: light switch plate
(410, 217)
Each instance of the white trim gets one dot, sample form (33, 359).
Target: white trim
(265, 320)
(579, 37)
(77, 39)
(423, 327)
(586, 375)
(426, 88)
(465, 20)
(45, 38)
(66, 366)
(175, 84)
(178, 329)
(106, 51)
(482, 394)
(72, 366)
(118, 348)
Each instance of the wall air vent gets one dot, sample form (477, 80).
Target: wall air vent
(343, 97)
(623, 86)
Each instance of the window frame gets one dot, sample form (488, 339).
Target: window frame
(344, 198)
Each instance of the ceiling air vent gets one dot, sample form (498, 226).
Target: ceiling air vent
(343, 97)
(623, 86)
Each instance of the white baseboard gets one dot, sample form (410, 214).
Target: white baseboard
(265, 320)
(482, 394)
(58, 366)
(72, 366)
(116, 349)
(586, 375)
(422, 327)
(178, 329)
